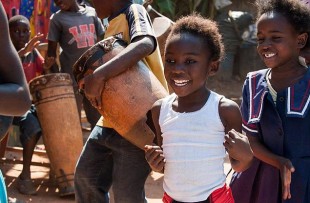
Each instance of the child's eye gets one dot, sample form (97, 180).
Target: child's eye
(22, 31)
(260, 40)
(276, 38)
(170, 61)
(190, 61)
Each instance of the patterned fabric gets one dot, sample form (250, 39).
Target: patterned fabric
(130, 23)
(76, 32)
(282, 128)
(32, 64)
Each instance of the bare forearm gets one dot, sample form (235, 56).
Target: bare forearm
(127, 58)
(16, 100)
(265, 155)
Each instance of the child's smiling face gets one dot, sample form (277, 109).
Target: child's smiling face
(278, 42)
(187, 63)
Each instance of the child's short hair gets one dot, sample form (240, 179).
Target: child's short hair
(201, 27)
(295, 11)
(13, 20)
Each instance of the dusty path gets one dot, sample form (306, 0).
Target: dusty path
(47, 190)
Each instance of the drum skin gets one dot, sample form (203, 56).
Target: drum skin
(127, 97)
(57, 111)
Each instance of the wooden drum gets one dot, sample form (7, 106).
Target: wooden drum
(162, 27)
(127, 97)
(57, 111)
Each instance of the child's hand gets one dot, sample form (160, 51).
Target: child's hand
(48, 62)
(238, 146)
(93, 88)
(286, 169)
(155, 157)
(34, 42)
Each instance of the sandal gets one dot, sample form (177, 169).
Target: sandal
(26, 187)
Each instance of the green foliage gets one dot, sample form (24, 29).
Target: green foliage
(166, 7)
(173, 9)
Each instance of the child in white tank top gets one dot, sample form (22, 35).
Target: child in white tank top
(194, 125)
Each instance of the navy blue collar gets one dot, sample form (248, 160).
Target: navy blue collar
(298, 96)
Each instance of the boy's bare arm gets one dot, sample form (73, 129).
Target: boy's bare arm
(155, 117)
(236, 144)
(33, 43)
(14, 94)
(141, 47)
(50, 57)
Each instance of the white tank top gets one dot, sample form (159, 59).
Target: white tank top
(194, 151)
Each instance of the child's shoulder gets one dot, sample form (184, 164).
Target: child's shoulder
(229, 111)
(135, 8)
(257, 74)
(89, 9)
(256, 78)
(227, 103)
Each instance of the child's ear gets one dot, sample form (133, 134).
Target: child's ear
(214, 67)
(302, 40)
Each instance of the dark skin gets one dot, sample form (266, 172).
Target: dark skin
(279, 46)
(20, 34)
(139, 48)
(187, 73)
(305, 52)
(65, 5)
(13, 86)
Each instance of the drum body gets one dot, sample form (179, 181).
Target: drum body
(162, 27)
(56, 107)
(126, 98)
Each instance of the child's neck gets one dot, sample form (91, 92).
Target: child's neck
(191, 103)
(75, 8)
(281, 79)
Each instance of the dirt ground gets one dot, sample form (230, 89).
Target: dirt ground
(47, 189)
(40, 171)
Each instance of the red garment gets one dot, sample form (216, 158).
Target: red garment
(11, 7)
(221, 195)
(32, 64)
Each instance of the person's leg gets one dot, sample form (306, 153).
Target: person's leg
(28, 149)
(93, 173)
(91, 112)
(78, 99)
(130, 171)
(30, 132)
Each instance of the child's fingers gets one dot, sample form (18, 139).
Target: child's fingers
(286, 180)
(36, 43)
(154, 157)
(81, 84)
(290, 166)
(228, 143)
(286, 191)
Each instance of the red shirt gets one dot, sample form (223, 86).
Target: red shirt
(32, 64)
